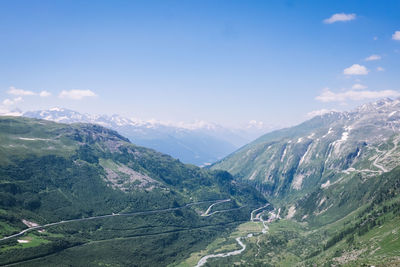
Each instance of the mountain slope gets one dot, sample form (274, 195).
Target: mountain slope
(367, 236)
(335, 181)
(319, 152)
(53, 172)
(198, 144)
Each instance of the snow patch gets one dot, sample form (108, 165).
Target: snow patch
(328, 133)
(345, 136)
(56, 109)
(305, 155)
(284, 154)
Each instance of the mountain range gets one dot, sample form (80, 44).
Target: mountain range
(323, 193)
(200, 143)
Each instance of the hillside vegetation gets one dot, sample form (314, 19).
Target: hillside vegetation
(335, 180)
(52, 172)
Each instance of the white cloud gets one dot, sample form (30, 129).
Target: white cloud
(355, 95)
(340, 17)
(380, 69)
(373, 57)
(358, 86)
(9, 102)
(356, 69)
(375, 38)
(319, 112)
(15, 91)
(76, 94)
(44, 93)
(396, 36)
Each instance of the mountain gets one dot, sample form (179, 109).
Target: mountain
(199, 143)
(319, 230)
(92, 198)
(321, 151)
(332, 185)
(335, 180)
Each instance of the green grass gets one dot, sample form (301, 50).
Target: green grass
(34, 241)
(6, 229)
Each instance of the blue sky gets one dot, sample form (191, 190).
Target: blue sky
(222, 61)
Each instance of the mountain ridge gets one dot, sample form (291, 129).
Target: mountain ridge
(200, 143)
(283, 160)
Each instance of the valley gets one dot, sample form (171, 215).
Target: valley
(79, 183)
(199, 133)
(325, 192)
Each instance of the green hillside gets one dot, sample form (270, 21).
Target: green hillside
(53, 172)
(367, 236)
(334, 181)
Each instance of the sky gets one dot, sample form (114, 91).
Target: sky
(228, 62)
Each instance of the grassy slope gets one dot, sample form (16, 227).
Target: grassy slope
(51, 172)
(365, 235)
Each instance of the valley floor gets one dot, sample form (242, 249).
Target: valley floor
(291, 243)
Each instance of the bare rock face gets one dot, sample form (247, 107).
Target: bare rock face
(125, 179)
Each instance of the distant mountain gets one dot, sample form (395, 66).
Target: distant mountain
(321, 151)
(199, 143)
(105, 201)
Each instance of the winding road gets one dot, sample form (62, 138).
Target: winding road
(117, 214)
(212, 205)
(203, 260)
(253, 218)
(384, 156)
